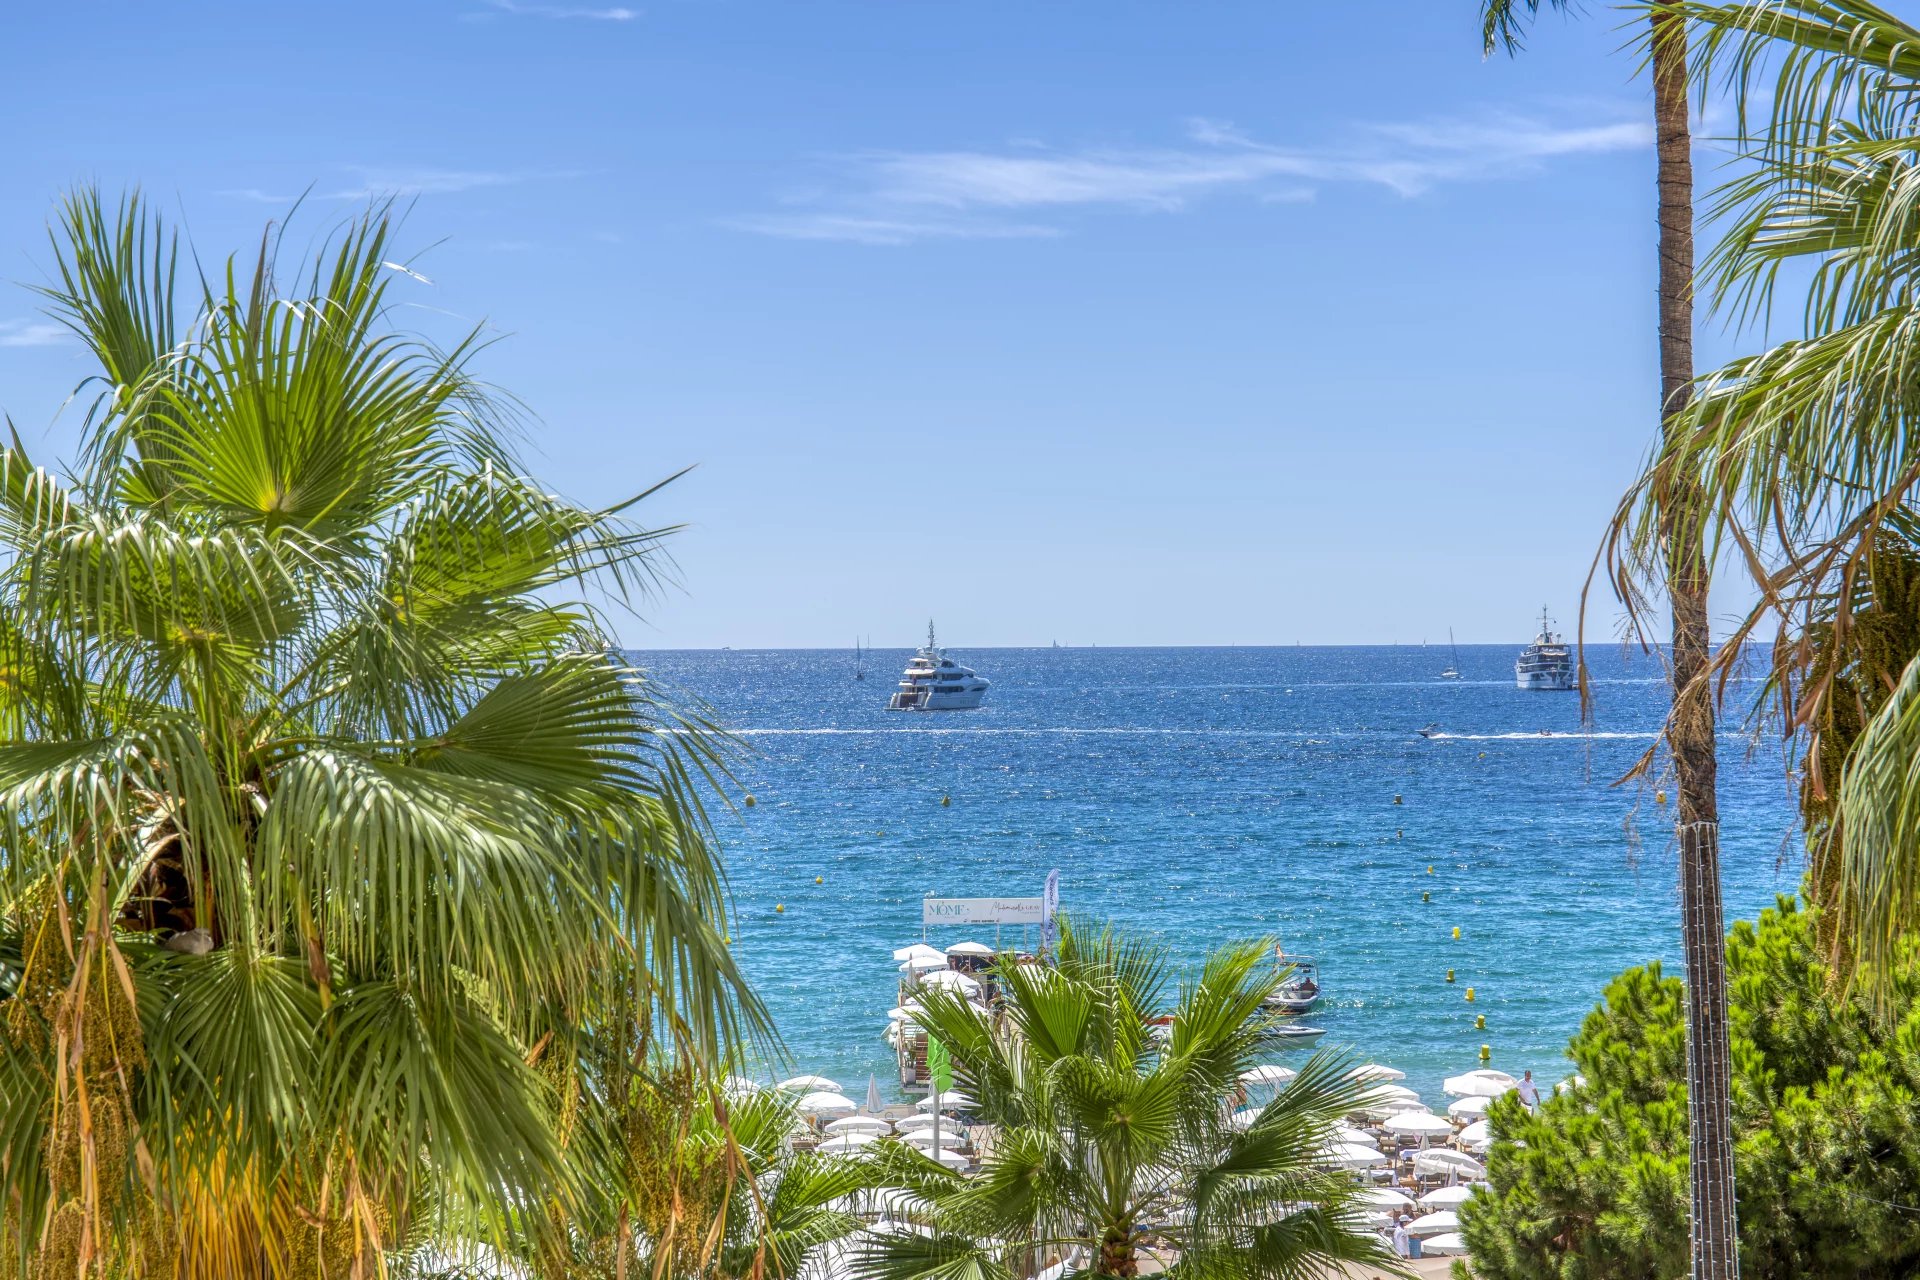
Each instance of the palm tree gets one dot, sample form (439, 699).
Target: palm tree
(706, 1185)
(1680, 553)
(1116, 1134)
(1809, 451)
(337, 844)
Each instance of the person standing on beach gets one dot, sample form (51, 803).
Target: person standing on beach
(1400, 1237)
(1529, 1092)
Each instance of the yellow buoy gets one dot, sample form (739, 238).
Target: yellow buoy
(946, 801)
(1480, 1022)
(1425, 896)
(1659, 797)
(819, 879)
(1469, 995)
(1449, 975)
(750, 800)
(1456, 933)
(1429, 868)
(1483, 755)
(1486, 1052)
(780, 908)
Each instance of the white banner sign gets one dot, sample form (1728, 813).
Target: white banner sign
(982, 911)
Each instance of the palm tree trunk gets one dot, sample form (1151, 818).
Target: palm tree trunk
(1690, 735)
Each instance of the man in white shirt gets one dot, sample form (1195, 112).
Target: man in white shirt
(1529, 1092)
(1400, 1236)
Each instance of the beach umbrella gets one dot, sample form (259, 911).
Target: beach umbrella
(1448, 1244)
(825, 1103)
(1374, 1071)
(873, 1094)
(809, 1084)
(1440, 1160)
(859, 1124)
(919, 951)
(848, 1141)
(1242, 1120)
(924, 1138)
(1570, 1083)
(1475, 1135)
(1467, 1108)
(923, 964)
(909, 1123)
(1384, 1198)
(1480, 1084)
(969, 949)
(950, 1158)
(951, 978)
(1347, 1133)
(1433, 1224)
(1267, 1074)
(1417, 1124)
(1447, 1197)
(1349, 1155)
(951, 1100)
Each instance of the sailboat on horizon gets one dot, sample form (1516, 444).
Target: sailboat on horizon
(1453, 667)
(859, 668)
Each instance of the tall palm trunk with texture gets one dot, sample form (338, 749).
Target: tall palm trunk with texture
(1691, 728)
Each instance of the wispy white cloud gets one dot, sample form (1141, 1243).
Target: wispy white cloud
(896, 197)
(519, 9)
(373, 183)
(32, 333)
(256, 195)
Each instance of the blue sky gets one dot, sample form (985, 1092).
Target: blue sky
(1128, 323)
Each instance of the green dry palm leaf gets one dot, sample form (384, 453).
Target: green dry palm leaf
(345, 865)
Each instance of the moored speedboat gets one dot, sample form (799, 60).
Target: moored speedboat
(935, 682)
(1299, 991)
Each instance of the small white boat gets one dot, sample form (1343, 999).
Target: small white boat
(1300, 990)
(935, 682)
(1293, 1032)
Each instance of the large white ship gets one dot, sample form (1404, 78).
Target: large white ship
(935, 682)
(1547, 663)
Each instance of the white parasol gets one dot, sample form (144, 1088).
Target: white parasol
(1267, 1074)
(848, 1141)
(1384, 1198)
(951, 978)
(1349, 1155)
(1440, 1160)
(1476, 1135)
(951, 1100)
(1417, 1124)
(1447, 1197)
(924, 1138)
(1433, 1224)
(909, 1123)
(1374, 1071)
(825, 1103)
(1449, 1244)
(859, 1124)
(810, 1084)
(919, 951)
(969, 949)
(1480, 1084)
(1468, 1108)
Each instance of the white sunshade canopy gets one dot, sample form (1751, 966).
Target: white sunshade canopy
(848, 1141)
(810, 1084)
(1267, 1073)
(951, 1100)
(1468, 1108)
(919, 951)
(969, 949)
(1570, 1083)
(1384, 1198)
(1347, 1133)
(1480, 1084)
(951, 978)
(1349, 1155)
(1374, 1071)
(1476, 1135)
(910, 1123)
(921, 964)
(1441, 1160)
(860, 1124)
(1448, 1244)
(1242, 1120)
(825, 1103)
(1418, 1124)
(1447, 1197)
(949, 1137)
(950, 1158)
(1433, 1224)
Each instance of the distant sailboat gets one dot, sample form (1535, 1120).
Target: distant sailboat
(859, 670)
(1453, 668)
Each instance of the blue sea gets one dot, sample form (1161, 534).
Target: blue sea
(1205, 795)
